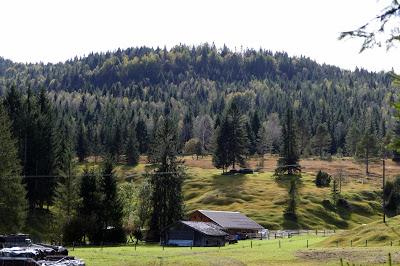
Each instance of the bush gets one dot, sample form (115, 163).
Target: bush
(193, 147)
(328, 205)
(391, 194)
(114, 236)
(322, 179)
(344, 204)
(73, 232)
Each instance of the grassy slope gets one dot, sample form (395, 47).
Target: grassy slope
(377, 233)
(264, 200)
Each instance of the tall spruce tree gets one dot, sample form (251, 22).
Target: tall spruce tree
(66, 195)
(367, 147)
(89, 207)
(255, 128)
(132, 149)
(322, 140)
(111, 212)
(231, 140)
(81, 143)
(220, 157)
(142, 136)
(167, 177)
(45, 148)
(33, 123)
(289, 158)
(12, 193)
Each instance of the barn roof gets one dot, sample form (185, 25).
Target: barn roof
(231, 220)
(209, 229)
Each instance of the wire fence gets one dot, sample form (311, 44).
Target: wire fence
(162, 254)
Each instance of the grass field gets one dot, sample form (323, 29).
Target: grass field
(372, 234)
(264, 199)
(292, 251)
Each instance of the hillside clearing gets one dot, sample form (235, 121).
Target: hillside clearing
(264, 199)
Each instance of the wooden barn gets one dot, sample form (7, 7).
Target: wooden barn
(196, 234)
(234, 223)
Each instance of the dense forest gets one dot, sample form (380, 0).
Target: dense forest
(163, 103)
(103, 97)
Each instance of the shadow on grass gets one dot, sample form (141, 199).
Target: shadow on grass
(329, 218)
(228, 182)
(290, 222)
(226, 190)
(283, 181)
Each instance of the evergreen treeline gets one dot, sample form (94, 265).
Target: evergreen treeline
(163, 103)
(110, 100)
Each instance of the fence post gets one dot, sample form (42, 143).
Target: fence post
(251, 243)
(390, 259)
(279, 243)
(337, 243)
(316, 232)
(366, 242)
(307, 243)
(135, 246)
(351, 243)
(391, 243)
(341, 262)
(73, 246)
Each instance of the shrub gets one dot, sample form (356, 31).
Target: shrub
(322, 179)
(344, 204)
(73, 232)
(114, 235)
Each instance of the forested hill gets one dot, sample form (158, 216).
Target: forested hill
(102, 96)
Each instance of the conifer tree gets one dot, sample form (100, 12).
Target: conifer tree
(12, 193)
(116, 142)
(220, 157)
(352, 139)
(288, 161)
(231, 140)
(132, 149)
(45, 149)
(167, 178)
(142, 136)
(322, 140)
(255, 131)
(90, 205)
(81, 144)
(367, 147)
(66, 195)
(111, 212)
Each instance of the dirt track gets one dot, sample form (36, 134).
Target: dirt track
(360, 255)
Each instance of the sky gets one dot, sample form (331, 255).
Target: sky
(57, 30)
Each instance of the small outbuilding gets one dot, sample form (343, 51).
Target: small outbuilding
(234, 223)
(196, 234)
